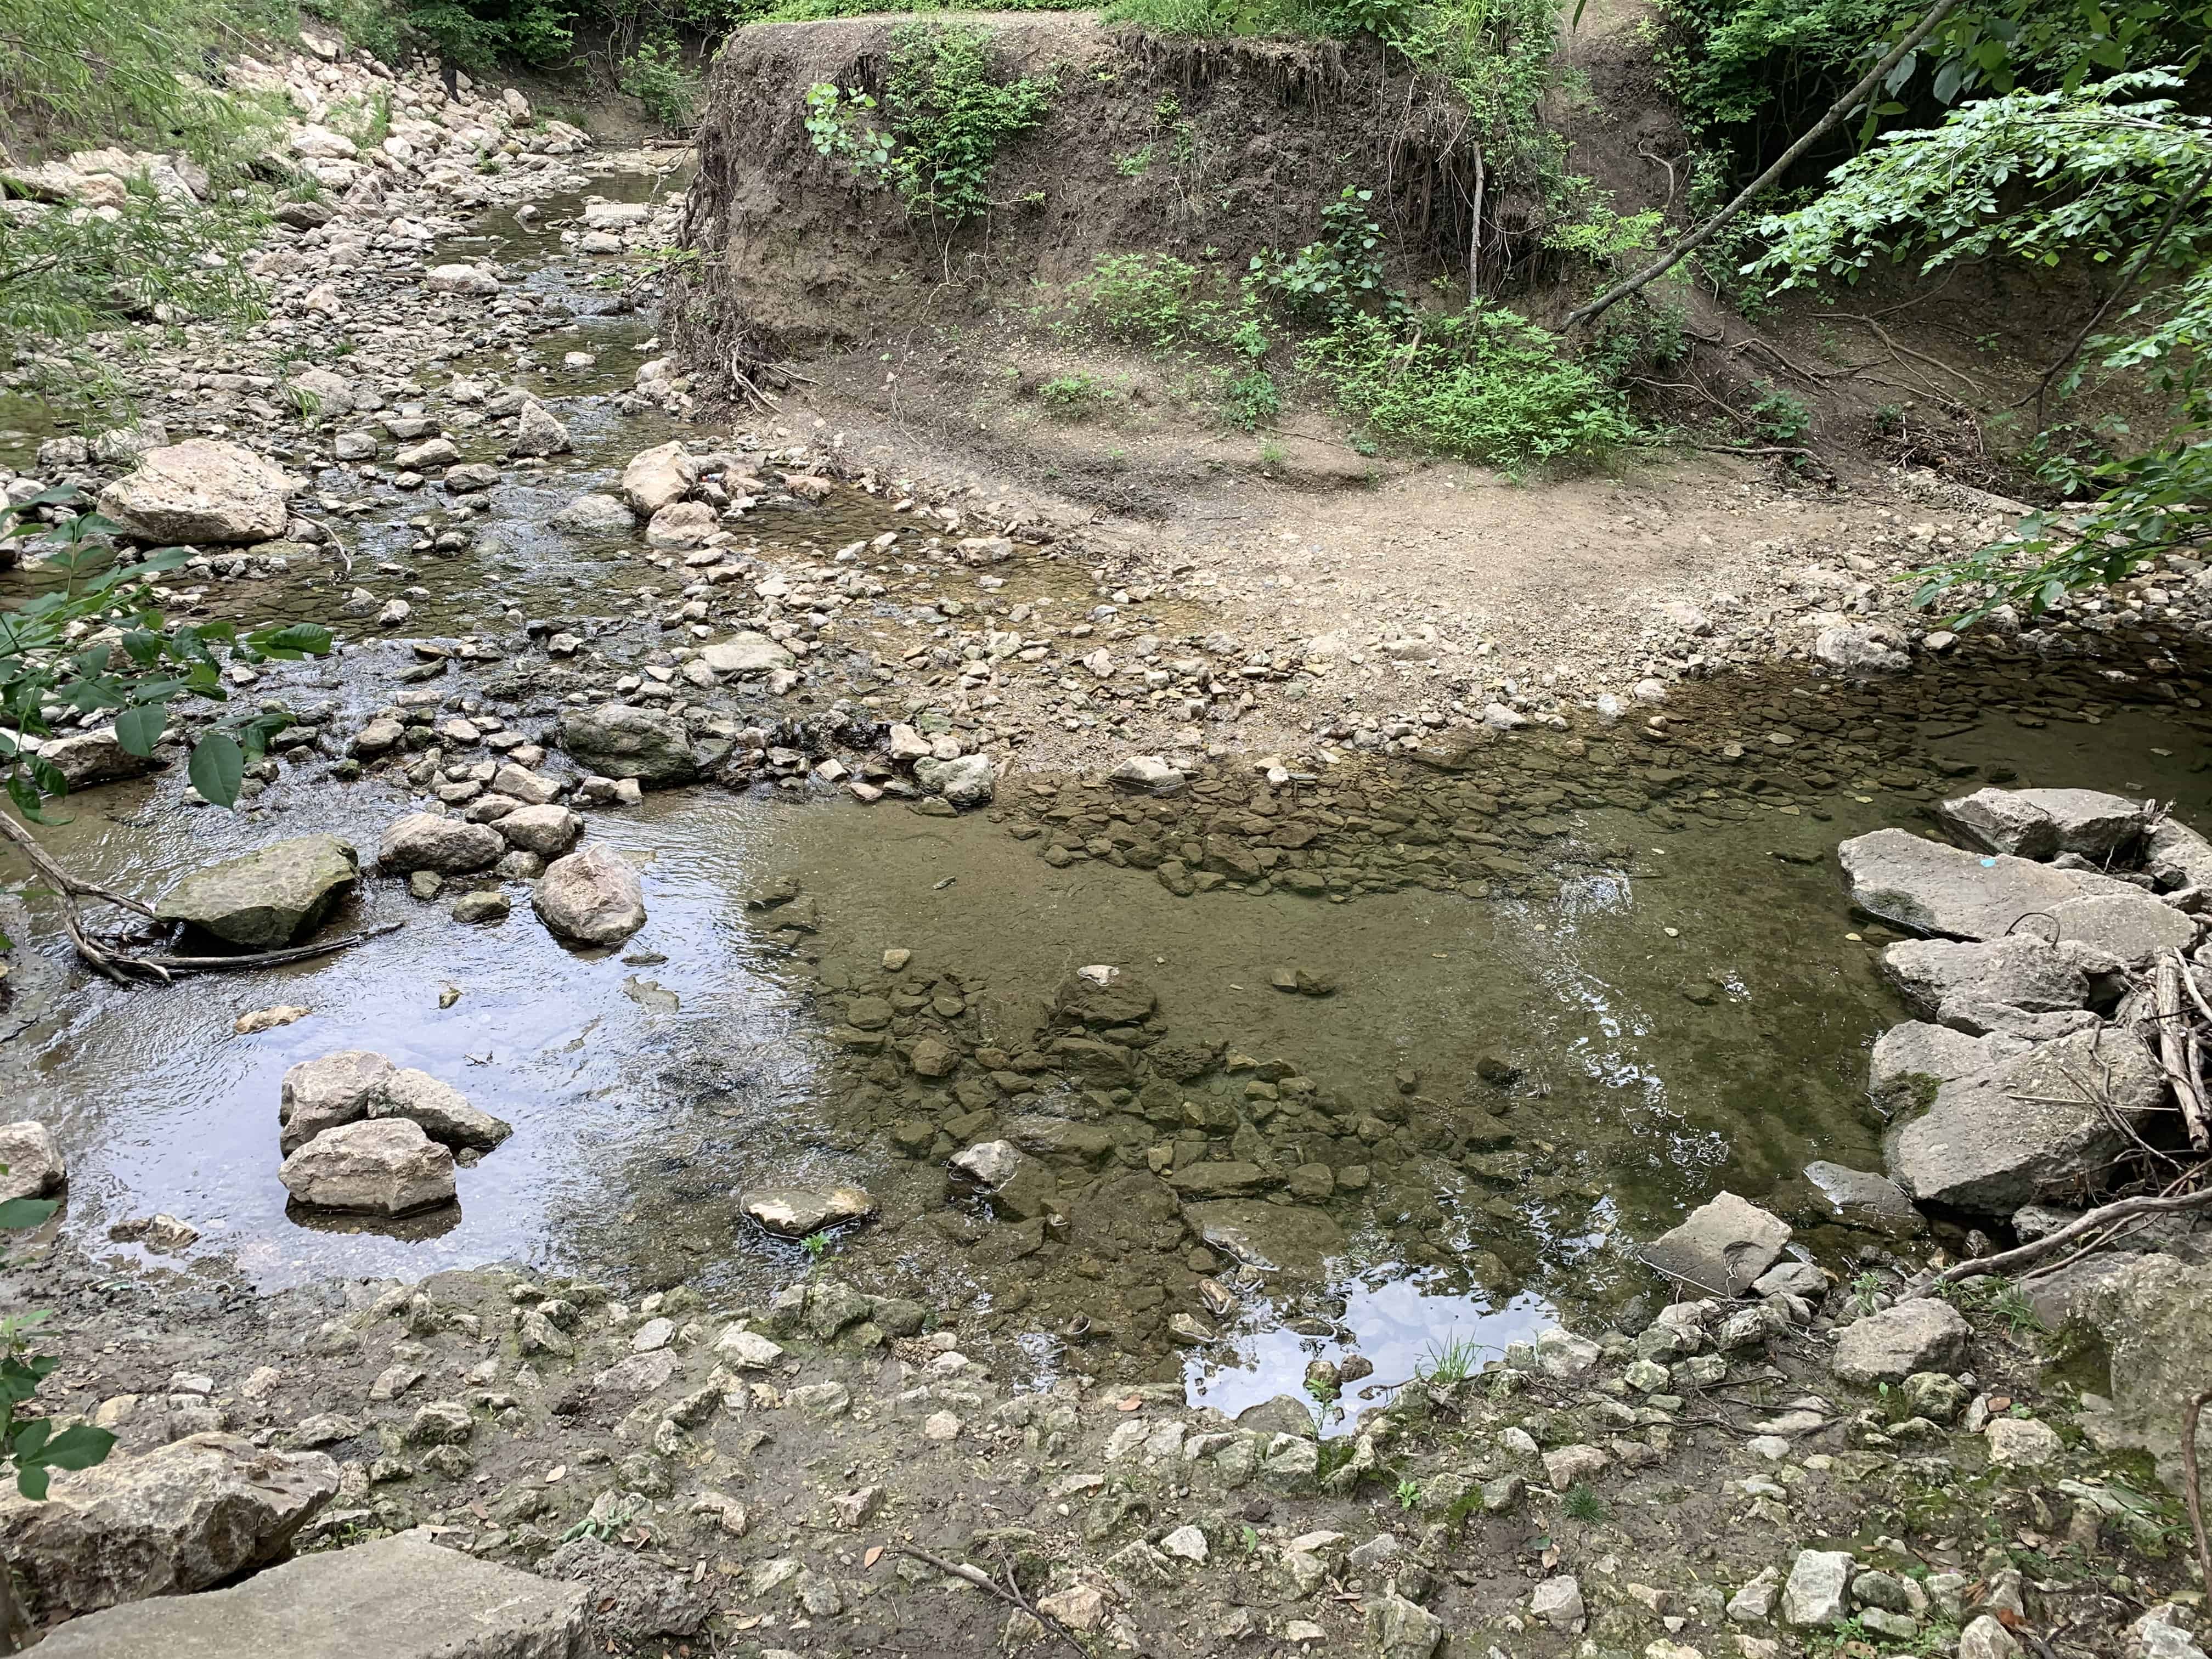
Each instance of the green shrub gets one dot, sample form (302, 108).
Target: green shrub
(1076, 396)
(1251, 399)
(1143, 298)
(1336, 277)
(1486, 385)
(657, 76)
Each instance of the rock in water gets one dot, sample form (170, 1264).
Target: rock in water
(175, 1520)
(796, 1211)
(969, 780)
(88, 758)
(595, 515)
(396, 1598)
(268, 897)
(2018, 1128)
(1102, 994)
(1860, 1198)
(200, 490)
(2041, 823)
(746, 652)
(424, 841)
(35, 1168)
(439, 1109)
(618, 741)
(538, 433)
(590, 897)
(322, 1094)
(383, 1166)
(658, 476)
(1721, 1247)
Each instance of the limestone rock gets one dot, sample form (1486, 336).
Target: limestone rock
(1147, 775)
(746, 652)
(396, 1598)
(627, 1598)
(439, 1110)
(1402, 1629)
(970, 780)
(268, 897)
(1558, 1603)
(85, 758)
(201, 491)
(1722, 1246)
(34, 1164)
(1921, 1335)
(178, 1519)
(323, 1093)
(2026, 973)
(2155, 1315)
(681, 524)
(424, 841)
(460, 279)
(1295, 1238)
(1813, 1596)
(2022, 1128)
(1860, 1198)
(1102, 994)
(384, 1166)
(656, 478)
(595, 515)
(593, 897)
(797, 1211)
(2175, 856)
(2041, 823)
(538, 431)
(618, 741)
(1930, 888)
(548, 830)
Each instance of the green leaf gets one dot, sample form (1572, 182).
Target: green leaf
(31, 1480)
(80, 1446)
(218, 768)
(17, 1214)
(296, 639)
(139, 729)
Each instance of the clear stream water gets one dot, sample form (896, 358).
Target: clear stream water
(1690, 1007)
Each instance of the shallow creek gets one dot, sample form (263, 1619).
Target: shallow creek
(1656, 1007)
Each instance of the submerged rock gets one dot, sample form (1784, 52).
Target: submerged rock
(385, 1166)
(797, 1212)
(1722, 1246)
(399, 1597)
(618, 741)
(1860, 1198)
(1294, 1238)
(200, 490)
(268, 897)
(178, 1519)
(593, 897)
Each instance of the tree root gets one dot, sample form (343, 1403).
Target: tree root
(1009, 1592)
(123, 966)
(2104, 1215)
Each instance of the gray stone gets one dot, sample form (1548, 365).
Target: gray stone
(395, 1598)
(1283, 1414)
(1754, 1603)
(618, 741)
(1917, 1049)
(681, 524)
(2155, 1315)
(2018, 1442)
(1813, 1596)
(2131, 925)
(627, 1597)
(1930, 888)
(746, 652)
(460, 279)
(992, 1163)
(1921, 1335)
(200, 491)
(323, 1093)
(85, 758)
(969, 780)
(1293, 1238)
(1858, 650)
(547, 830)
(439, 1109)
(386, 1166)
(593, 897)
(658, 476)
(2026, 973)
(424, 841)
(1102, 994)
(1558, 1603)
(538, 431)
(1988, 1639)
(2040, 823)
(31, 1163)
(2176, 856)
(1147, 775)
(595, 515)
(1402, 1629)
(1861, 1198)
(1720, 1247)
(2020, 1128)
(797, 1211)
(268, 897)
(175, 1520)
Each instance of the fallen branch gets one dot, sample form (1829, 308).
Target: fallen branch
(2192, 1490)
(2172, 1048)
(1009, 1592)
(2104, 1215)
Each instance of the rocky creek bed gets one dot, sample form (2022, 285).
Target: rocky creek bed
(1237, 1086)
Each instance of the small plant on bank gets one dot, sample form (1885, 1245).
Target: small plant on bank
(1337, 276)
(1409, 1494)
(1075, 396)
(816, 1245)
(1251, 400)
(1582, 1505)
(1453, 1361)
(658, 77)
(1780, 417)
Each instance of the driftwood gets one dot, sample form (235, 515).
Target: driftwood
(2192, 1491)
(1009, 1592)
(2104, 1216)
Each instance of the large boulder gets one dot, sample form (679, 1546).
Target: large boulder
(616, 740)
(2041, 823)
(31, 1163)
(593, 897)
(201, 491)
(548, 830)
(179, 1519)
(1928, 888)
(2021, 972)
(268, 897)
(658, 477)
(2155, 1317)
(382, 1166)
(425, 841)
(323, 1093)
(1922, 1334)
(395, 1598)
(2021, 1128)
(1720, 1247)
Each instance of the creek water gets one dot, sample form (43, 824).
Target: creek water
(1659, 1005)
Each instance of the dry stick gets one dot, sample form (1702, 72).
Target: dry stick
(2143, 257)
(1704, 233)
(2191, 1491)
(2172, 1056)
(983, 1580)
(2104, 1215)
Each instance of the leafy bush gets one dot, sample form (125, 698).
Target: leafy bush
(947, 116)
(1486, 385)
(1076, 395)
(1338, 276)
(810, 11)
(1252, 398)
(657, 76)
(1145, 299)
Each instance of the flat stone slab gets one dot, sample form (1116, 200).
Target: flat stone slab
(2039, 823)
(268, 897)
(1720, 1247)
(2008, 1134)
(397, 1598)
(1295, 1238)
(1934, 888)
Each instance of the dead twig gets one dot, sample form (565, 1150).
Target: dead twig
(2173, 1046)
(1008, 1593)
(2104, 1216)
(2191, 1491)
